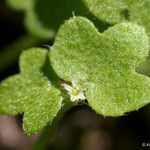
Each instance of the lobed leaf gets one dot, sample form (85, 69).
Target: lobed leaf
(106, 61)
(31, 92)
(116, 11)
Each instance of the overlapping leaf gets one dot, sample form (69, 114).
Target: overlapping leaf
(115, 11)
(31, 92)
(106, 62)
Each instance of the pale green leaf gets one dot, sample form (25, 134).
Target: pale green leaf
(31, 92)
(105, 62)
(115, 11)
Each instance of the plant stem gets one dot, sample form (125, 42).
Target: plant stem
(9, 54)
(43, 141)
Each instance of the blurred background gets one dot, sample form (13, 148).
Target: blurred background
(81, 128)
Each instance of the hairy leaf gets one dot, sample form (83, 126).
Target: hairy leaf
(105, 62)
(31, 92)
(115, 11)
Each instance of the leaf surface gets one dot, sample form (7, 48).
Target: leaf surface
(105, 62)
(31, 92)
(115, 11)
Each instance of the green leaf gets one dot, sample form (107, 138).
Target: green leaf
(116, 11)
(105, 62)
(31, 92)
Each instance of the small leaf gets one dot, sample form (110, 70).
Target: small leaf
(106, 62)
(116, 11)
(31, 92)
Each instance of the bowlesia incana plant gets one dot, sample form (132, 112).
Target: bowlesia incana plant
(96, 68)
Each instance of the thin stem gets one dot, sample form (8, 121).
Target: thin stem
(9, 54)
